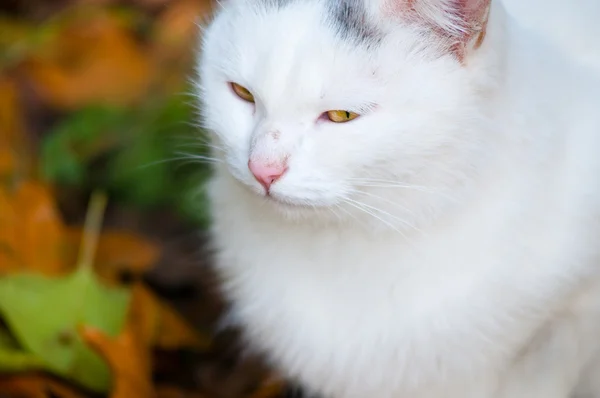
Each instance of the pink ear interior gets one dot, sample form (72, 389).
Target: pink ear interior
(458, 20)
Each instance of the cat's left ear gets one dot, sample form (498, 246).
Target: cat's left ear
(462, 22)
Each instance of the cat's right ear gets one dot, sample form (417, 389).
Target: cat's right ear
(461, 22)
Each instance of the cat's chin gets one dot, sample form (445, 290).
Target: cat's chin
(294, 208)
(287, 203)
(290, 207)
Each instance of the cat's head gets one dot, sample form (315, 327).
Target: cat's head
(352, 105)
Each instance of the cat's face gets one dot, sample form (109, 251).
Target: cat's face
(271, 74)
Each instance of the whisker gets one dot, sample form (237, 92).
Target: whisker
(360, 207)
(194, 156)
(183, 157)
(405, 186)
(393, 185)
(200, 145)
(385, 213)
(395, 204)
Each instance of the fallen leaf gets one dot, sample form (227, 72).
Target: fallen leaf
(92, 59)
(175, 28)
(11, 125)
(31, 232)
(128, 356)
(14, 152)
(129, 361)
(43, 314)
(8, 161)
(13, 358)
(36, 386)
(160, 325)
(175, 32)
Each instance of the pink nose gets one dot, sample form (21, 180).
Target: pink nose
(267, 174)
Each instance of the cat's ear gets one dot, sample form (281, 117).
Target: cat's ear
(463, 22)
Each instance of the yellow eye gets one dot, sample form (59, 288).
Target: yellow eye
(242, 92)
(341, 116)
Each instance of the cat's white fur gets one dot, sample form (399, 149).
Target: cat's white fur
(445, 244)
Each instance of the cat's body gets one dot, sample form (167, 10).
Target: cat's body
(453, 248)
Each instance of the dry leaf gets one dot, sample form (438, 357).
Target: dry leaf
(129, 360)
(175, 33)
(93, 59)
(10, 122)
(161, 326)
(117, 252)
(176, 28)
(14, 154)
(31, 231)
(128, 355)
(35, 386)
(8, 161)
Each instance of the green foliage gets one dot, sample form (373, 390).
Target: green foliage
(82, 137)
(13, 358)
(44, 314)
(135, 154)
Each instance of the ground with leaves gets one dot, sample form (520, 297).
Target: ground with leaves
(105, 288)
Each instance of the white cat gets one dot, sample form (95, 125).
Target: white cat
(406, 197)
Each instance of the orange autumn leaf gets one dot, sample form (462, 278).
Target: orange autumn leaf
(129, 360)
(92, 59)
(160, 325)
(8, 161)
(176, 27)
(128, 354)
(36, 386)
(31, 231)
(117, 251)
(175, 32)
(13, 146)
(9, 127)
(10, 123)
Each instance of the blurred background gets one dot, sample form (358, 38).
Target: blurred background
(105, 286)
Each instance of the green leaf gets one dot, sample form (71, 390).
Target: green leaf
(13, 358)
(44, 314)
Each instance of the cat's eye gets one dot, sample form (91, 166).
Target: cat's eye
(341, 116)
(242, 92)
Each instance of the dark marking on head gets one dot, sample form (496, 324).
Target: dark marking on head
(350, 20)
